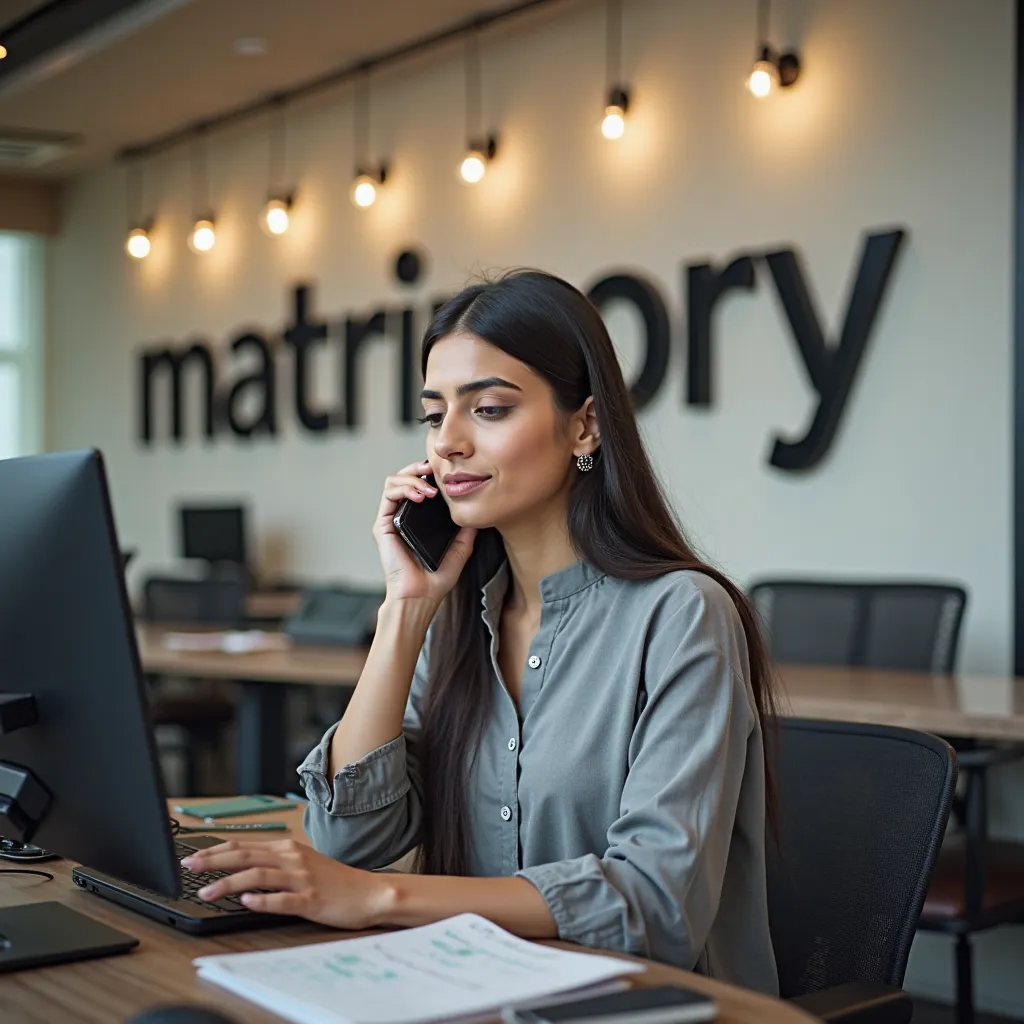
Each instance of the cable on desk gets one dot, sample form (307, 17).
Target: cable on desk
(27, 871)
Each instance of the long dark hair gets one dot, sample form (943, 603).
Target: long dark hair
(618, 520)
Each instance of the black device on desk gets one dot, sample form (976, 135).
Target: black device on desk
(335, 615)
(78, 768)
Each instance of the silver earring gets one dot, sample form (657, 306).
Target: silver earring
(585, 463)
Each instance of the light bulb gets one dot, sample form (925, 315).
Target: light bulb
(3, 52)
(202, 238)
(138, 245)
(763, 78)
(364, 191)
(473, 167)
(275, 218)
(614, 124)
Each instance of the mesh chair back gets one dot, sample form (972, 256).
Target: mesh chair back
(862, 811)
(215, 602)
(911, 626)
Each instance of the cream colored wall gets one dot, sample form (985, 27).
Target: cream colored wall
(903, 116)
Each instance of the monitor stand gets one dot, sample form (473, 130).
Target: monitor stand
(37, 934)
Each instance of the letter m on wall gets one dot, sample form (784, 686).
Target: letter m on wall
(169, 365)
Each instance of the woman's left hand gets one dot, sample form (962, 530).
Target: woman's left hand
(304, 883)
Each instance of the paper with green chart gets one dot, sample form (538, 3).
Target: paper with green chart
(459, 967)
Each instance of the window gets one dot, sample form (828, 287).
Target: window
(21, 281)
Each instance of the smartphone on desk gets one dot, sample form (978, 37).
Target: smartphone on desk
(209, 810)
(426, 527)
(662, 1004)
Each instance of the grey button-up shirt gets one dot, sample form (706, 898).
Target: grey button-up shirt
(628, 788)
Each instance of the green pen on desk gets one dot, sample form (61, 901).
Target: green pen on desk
(255, 826)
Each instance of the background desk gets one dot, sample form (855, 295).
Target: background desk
(261, 739)
(160, 970)
(986, 708)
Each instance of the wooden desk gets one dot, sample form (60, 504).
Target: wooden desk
(980, 707)
(987, 708)
(160, 970)
(272, 605)
(261, 741)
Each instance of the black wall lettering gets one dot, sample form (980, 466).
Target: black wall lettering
(263, 381)
(407, 370)
(649, 303)
(301, 335)
(704, 287)
(357, 333)
(832, 369)
(174, 362)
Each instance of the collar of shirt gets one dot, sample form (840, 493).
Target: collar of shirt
(555, 587)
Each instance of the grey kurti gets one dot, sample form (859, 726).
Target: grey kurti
(629, 787)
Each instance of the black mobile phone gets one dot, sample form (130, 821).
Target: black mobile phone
(427, 527)
(662, 1004)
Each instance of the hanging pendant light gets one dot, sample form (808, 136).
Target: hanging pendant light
(203, 236)
(275, 217)
(613, 126)
(138, 244)
(480, 149)
(770, 70)
(368, 178)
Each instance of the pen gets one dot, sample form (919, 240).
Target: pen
(262, 826)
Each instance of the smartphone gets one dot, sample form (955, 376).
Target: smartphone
(427, 527)
(209, 810)
(661, 1004)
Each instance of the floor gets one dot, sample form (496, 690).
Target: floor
(937, 1013)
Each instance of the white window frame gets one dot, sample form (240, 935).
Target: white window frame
(28, 357)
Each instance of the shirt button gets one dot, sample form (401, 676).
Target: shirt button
(533, 661)
(506, 813)
(512, 743)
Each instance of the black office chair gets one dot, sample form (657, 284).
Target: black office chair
(861, 813)
(204, 715)
(977, 884)
(910, 626)
(218, 601)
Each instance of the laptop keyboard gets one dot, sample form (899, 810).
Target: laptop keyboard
(192, 882)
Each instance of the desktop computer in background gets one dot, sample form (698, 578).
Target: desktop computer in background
(79, 773)
(215, 534)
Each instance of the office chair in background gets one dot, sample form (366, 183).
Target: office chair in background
(977, 884)
(909, 626)
(202, 715)
(848, 875)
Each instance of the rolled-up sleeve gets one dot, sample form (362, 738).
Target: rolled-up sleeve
(371, 813)
(656, 889)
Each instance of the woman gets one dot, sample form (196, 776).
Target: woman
(576, 747)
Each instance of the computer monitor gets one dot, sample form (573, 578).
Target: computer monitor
(79, 773)
(213, 533)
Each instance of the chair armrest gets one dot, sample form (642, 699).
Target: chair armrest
(859, 1002)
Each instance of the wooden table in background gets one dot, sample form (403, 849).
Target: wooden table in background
(989, 708)
(261, 740)
(160, 969)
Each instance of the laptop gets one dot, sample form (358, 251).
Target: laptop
(187, 913)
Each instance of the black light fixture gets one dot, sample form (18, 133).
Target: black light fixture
(368, 178)
(770, 68)
(138, 244)
(614, 124)
(276, 214)
(480, 149)
(202, 237)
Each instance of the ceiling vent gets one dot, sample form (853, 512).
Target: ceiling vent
(24, 150)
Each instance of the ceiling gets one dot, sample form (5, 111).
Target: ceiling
(182, 66)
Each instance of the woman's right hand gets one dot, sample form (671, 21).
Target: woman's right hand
(406, 578)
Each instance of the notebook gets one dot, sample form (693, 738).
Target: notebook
(464, 966)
